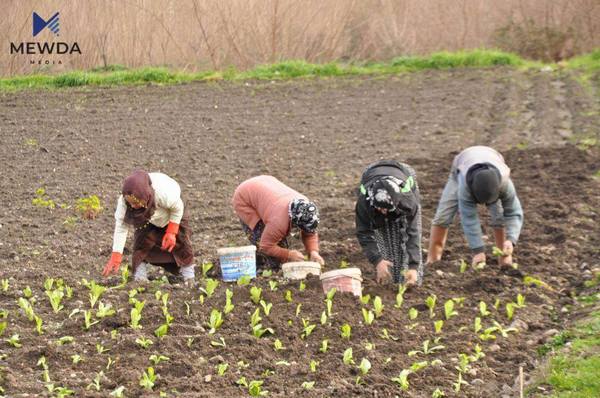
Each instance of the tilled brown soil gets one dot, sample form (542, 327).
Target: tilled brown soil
(317, 136)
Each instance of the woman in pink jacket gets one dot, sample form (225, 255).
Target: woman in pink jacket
(268, 209)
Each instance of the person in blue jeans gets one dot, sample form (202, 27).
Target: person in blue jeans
(479, 176)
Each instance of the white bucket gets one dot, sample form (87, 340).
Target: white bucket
(237, 262)
(344, 280)
(300, 269)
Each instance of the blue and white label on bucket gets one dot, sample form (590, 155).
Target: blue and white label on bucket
(236, 265)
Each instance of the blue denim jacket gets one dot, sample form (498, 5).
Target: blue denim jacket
(506, 212)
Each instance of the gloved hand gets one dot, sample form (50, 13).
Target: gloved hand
(383, 271)
(169, 240)
(295, 255)
(316, 257)
(112, 266)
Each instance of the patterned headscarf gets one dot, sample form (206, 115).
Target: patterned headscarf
(393, 194)
(304, 215)
(138, 187)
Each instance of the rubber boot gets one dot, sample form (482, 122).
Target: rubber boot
(437, 241)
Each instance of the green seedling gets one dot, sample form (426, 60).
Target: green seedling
(255, 388)
(220, 343)
(162, 330)
(114, 333)
(14, 341)
(267, 273)
(148, 379)
(3, 327)
(347, 357)
(222, 368)
(413, 313)
(488, 334)
(504, 332)
(400, 296)
(369, 346)
(437, 393)
(520, 301)
(144, 342)
(89, 207)
(477, 324)
(228, 304)
(215, 321)
(244, 280)
(205, 268)
(55, 297)
(323, 317)
(483, 309)
(377, 306)
(463, 266)
(301, 286)
(459, 383)
(288, 296)
(95, 384)
(346, 331)
(416, 366)
(118, 392)
(477, 355)
(104, 311)
(26, 292)
(27, 308)
(510, 310)
(136, 314)
(87, 320)
(402, 379)
(95, 292)
(210, 285)
(313, 365)
(387, 336)
(42, 200)
(255, 318)
(38, 325)
(497, 304)
(266, 307)
(497, 252)
(330, 294)
(278, 345)
(329, 306)
(101, 349)
(109, 363)
(368, 316)
(75, 358)
(365, 299)
(156, 359)
(308, 385)
(298, 308)
(255, 293)
(430, 303)
(65, 340)
(426, 349)
(189, 342)
(307, 328)
(344, 264)
(273, 285)
(258, 331)
(479, 266)
(449, 309)
(365, 366)
(324, 346)
(531, 281)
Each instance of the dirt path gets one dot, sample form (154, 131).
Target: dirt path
(317, 136)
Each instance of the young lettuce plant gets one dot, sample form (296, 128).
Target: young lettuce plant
(510, 310)
(55, 297)
(87, 320)
(400, 296)
(378, 306)
(307, 328)
(413, 313)
(266, 307)
(278, 345)
(228, 304)
(346, 331)
(273, 285)
(430, 303)
(368, 316)
(104, 311)
(402, 379)
(504, 332)
(144, 342)
(222, 368)
(426, 349)
(148, 379)
(347, 357)
(96, 291)
(136, 314)
(324, 346)
(520, 301)
(449, 311)
(365, 299)
(205, 268)
(483, 309)
(215, 321)
(210, 285)
(255, 293)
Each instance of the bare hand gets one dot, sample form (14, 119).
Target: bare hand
(507, 248)
(478, 259)
(383, 271)
(295, 255)
(316, 257)
(410, 277)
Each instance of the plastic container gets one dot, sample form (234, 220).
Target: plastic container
(344, 280)
(300, 269)
(237, 261)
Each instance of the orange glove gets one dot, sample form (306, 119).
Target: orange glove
(168, 242)
(113, 264)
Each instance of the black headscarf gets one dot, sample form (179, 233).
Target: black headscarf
(139, 185)
(393, 194)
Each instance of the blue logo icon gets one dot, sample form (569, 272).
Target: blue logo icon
(39, 24)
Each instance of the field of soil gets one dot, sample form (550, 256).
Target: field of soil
(317, 136)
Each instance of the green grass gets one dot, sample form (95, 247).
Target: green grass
(573, 371)
(119, 75)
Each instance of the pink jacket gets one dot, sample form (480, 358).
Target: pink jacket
(266, 198)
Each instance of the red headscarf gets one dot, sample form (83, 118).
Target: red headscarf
(139, 185)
